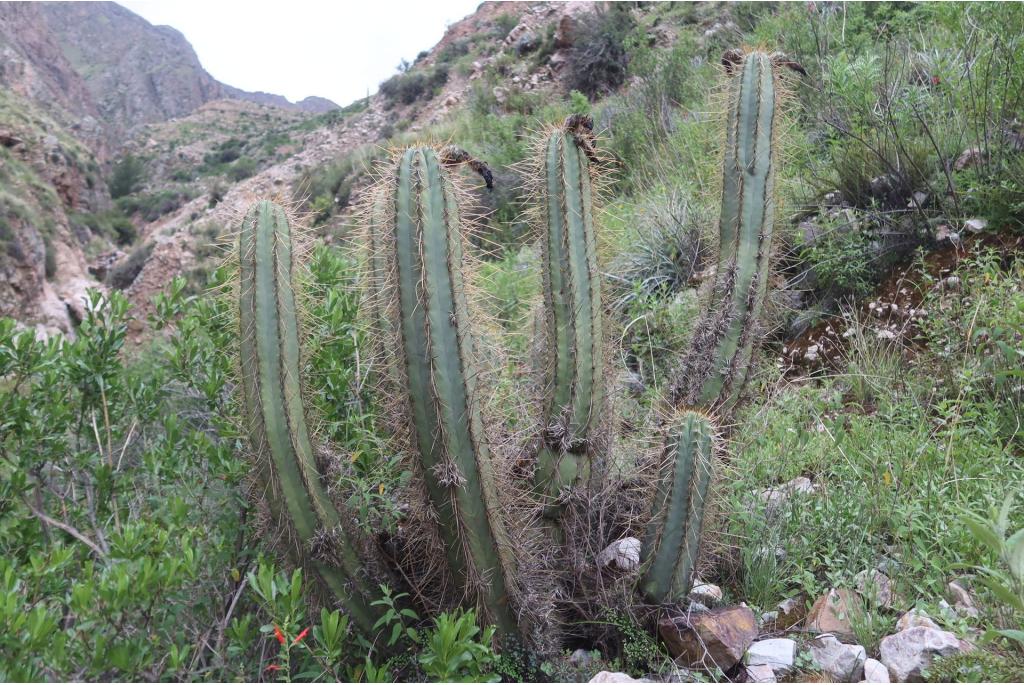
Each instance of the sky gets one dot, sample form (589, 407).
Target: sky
(337, 49)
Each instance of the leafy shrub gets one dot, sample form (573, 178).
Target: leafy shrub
(152, 206)
(112, 224)
(456, 651)
(124, 273)
(128, 175)
(597, 62)
(408, 87)
(242, 169)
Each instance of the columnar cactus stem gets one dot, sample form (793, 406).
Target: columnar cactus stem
(573, 353)
(437, 350)
(716, 371)
(275, 416)
(713, 374)
(672, 542)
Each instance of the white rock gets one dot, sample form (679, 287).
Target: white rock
(842, 663)
(775, 496)
(915, 618)
(778, 654)
(875, 672)
(616, 677)
(907, 653)
(581, 657)
(624, 553)
(976, 225)
(706, 594)
(761, 673)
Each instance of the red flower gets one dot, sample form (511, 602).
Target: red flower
(301, 635)
(273, 667)
(278, 634)
(935, 80)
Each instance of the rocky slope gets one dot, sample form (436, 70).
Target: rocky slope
(79, 84)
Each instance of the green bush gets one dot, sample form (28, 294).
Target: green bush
(124, 273)
(417, 84)
(128, 175)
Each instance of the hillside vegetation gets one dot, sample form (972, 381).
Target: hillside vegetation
(874, 460)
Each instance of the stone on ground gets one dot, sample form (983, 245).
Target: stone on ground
(709, 639)
(778, 654)
(908, 653)
(875, 672)
(842, 663)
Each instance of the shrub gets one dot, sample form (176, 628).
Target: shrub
(242, 169)
(124, 273)
(597, 62)
(129, 173)
(408, 87)
(112, 224)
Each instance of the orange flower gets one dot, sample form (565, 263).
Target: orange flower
(278, 634)
(273, 667)
(301, 635)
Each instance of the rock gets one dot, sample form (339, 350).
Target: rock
(976, 225)
(875, 672)
(716, 638)
(778, 654)
(791, 611)
(963, 604)
(557, 60)
(776, 496)
(616, 677)
(624, 553)
(500, 94)
(769, 618)
(913, 619)
(581, 657)
(761, 674)
(875, 587)
(908, 653)
(944, 232)
(842, 663)
(706, 593)
(831, 612)
(917, 200)
(696, 607)
(968, 158)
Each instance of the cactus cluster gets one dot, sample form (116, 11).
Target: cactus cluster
(433, 369)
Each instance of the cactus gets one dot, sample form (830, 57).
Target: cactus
(433, 371)
(441, 374)
(713, 374)
(715, 371)
(572, 383)
(673, 535)
(274, 413)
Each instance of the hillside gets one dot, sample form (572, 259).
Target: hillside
(606, 342)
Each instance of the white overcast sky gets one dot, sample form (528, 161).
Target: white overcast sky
(297, 48)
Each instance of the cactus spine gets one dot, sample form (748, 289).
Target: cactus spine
(437, 351)
(673, 535)
(572, 382)
(714, 373)
(274, 412)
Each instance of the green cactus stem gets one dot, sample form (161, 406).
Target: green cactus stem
(672, 542)
(275, 417)
(572, 382)
(716, 371)
(441, 376)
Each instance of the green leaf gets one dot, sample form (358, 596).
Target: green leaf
(1003, 593)
(984, 534)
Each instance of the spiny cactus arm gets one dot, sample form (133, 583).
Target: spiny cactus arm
(672, 542)
(441, 375)
(270, 363)
(717, 368)
(572, 378)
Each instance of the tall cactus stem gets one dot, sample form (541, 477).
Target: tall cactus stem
(717, 369)
(275, 415)
(441, 372)
(572, 382)
(672, 542)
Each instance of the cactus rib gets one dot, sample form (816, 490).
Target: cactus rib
(276, 421)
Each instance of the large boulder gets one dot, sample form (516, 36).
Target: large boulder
(709, 639)
(777, 654)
